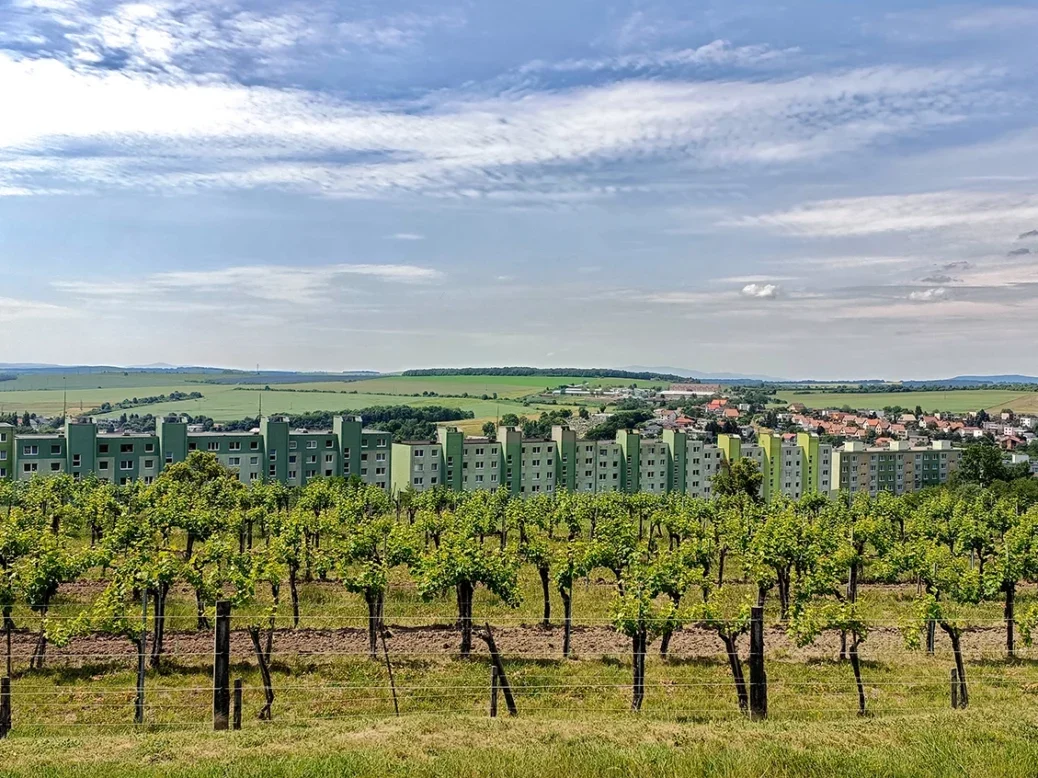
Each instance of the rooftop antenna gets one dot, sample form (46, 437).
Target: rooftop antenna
(64, 398)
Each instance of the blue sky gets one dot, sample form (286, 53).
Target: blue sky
(799, 189)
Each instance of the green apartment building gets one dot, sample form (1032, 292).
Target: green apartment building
(792, 466)
(273, 451)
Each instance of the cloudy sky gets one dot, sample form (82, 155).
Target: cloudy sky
(800, 189)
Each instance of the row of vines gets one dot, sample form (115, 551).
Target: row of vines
(672, 561)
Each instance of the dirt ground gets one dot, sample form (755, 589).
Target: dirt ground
(530, 642)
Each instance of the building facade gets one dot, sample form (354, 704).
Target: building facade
(272, 452)
(791, 466)
(898, 469)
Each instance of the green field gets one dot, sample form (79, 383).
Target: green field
(48, 394)
(959, 401)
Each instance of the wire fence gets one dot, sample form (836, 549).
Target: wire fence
(331, 673)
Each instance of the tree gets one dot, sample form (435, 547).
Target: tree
(489, 430)
(740, 477)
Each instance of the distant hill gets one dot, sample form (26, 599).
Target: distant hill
(983, 379)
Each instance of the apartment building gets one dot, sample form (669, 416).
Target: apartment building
(274, 451)
(792, 466)
(898, 469)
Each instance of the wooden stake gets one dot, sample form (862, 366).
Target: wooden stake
(236, 707)
(142, 655)
(493, 691)
(222, 667)
(5, 707)
(758, 676)
(502, 679)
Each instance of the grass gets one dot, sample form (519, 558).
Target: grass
(49, 394)
(959, 401)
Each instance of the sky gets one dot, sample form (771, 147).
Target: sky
(797, 189)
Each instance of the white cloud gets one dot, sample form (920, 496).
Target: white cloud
(172, 131)
(264, 282)
(929, 295)
(761, 291)
(406, 236)
(994, 213)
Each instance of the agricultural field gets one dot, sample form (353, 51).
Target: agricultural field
(48, 394)
(958, 401)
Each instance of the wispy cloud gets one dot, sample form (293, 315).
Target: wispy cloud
(12, 309)
(994, 213)
(713, 54)
(406, 236)
(178, 132)
(264, 282)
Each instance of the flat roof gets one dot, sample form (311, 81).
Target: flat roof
(220, 432)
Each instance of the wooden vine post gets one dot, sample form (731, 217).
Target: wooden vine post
(222, 667)
(758, 676)
(502, 678)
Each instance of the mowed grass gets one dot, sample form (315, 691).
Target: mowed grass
(946, 743)
(48, 395)
(960, 401)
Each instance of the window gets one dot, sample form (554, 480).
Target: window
(311, 444)
(363, 471)
(363, 457)
(328, 473)
(55, 449)
(3, 472)
(254, 445)
(214, 445)
(292, 445)
(102, 448)
(311, 459)
(418, 481)
(234, 445)
(345, 453)
(30, 450)
(169, 457)
(30, 467)
(191, 446)
(253, 460)
(273, 471)
(273, 455)
(55, 467)
(126, 464)
(3, 456)
(291, 459)
(149, 463)
(3, 437)
(419, 452)
(381, 443)
(291, 473)
(233, 461)
(329, 458)
(380, 471)
(126, 448)
(329, 443)
(149, 448)
(102, 465)
(380, 457)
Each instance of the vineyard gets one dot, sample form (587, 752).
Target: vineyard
(338, 604)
